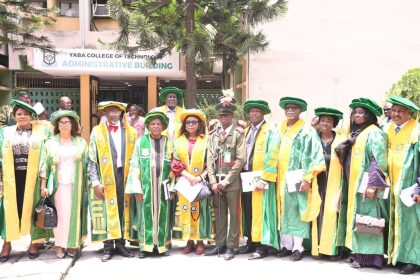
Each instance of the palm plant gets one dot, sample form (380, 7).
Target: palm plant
(203, 30)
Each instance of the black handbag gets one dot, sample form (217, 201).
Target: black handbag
(45, 214)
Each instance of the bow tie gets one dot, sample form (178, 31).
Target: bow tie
(113, 128)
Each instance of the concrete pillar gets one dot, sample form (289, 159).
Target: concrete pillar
(51, 4)
(151, 92)
(85, 109)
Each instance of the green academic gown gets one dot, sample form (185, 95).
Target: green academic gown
(294, 148)
(151, 224)
(50, 160)
(404, 222)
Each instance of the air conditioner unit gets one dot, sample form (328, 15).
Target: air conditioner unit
(101, 11)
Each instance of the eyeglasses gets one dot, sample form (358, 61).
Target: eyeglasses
(64, 122)
(293, 108)
(387, 109)
(191, 123)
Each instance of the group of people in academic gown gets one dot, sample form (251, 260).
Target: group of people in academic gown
(132, 181)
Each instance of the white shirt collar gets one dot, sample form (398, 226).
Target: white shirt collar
(227, 129)
(258, 125)
(171, 111)
(401, 126)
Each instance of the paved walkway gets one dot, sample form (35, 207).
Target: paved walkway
(89, 265)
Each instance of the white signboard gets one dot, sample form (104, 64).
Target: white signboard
(86, 60)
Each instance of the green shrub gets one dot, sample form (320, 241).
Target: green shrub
(210, 111)
(408, 86)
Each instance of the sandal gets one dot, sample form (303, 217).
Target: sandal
(200, 248)
(189, 247)
(71, 252)
(60, 253)
(355, 265)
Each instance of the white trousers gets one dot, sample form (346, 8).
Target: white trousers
(292, 243)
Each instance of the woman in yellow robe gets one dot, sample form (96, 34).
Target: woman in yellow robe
(20, 147)
(193, 219)
(325, 237)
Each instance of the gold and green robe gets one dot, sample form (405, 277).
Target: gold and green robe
(372, 141)
(50, 160)
(329, 239)
(10, 227)
(105, 221)
(294, 148)
(264, 203)
(192, 219)
(404, 222)
(151, 225)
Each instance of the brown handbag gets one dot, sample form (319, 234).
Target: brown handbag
(45, 214)
(368, 224)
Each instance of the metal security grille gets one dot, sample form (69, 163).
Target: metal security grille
(41, 80)
(208, 89)
(48, 89)
(50, 98)
(210, 95)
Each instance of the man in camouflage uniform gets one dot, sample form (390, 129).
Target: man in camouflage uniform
(226, 156)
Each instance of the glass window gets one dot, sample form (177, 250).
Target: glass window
(69, 8)
(40, 3)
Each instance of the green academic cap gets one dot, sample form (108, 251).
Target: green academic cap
(293, 100)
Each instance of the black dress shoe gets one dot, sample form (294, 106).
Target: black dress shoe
(4, 258)
(164, 254)
(247, 249)
(143, 254)
(33, 255)
(296, 256)
(123, 251)
(283, 253)
(230, 254)
(214, 251)
(107, 255)
(408, 268)
(259, 254)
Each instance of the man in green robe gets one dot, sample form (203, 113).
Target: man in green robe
(259, 207)
(171, 97)
(294, 160)
(148, 181)
(403, 165)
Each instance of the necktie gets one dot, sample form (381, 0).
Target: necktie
(223, 135)
(251, 137)
(397, 129)
(113, 128)
(249, 146)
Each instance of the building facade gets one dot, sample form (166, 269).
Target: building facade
(331, 51)
(85, 69)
